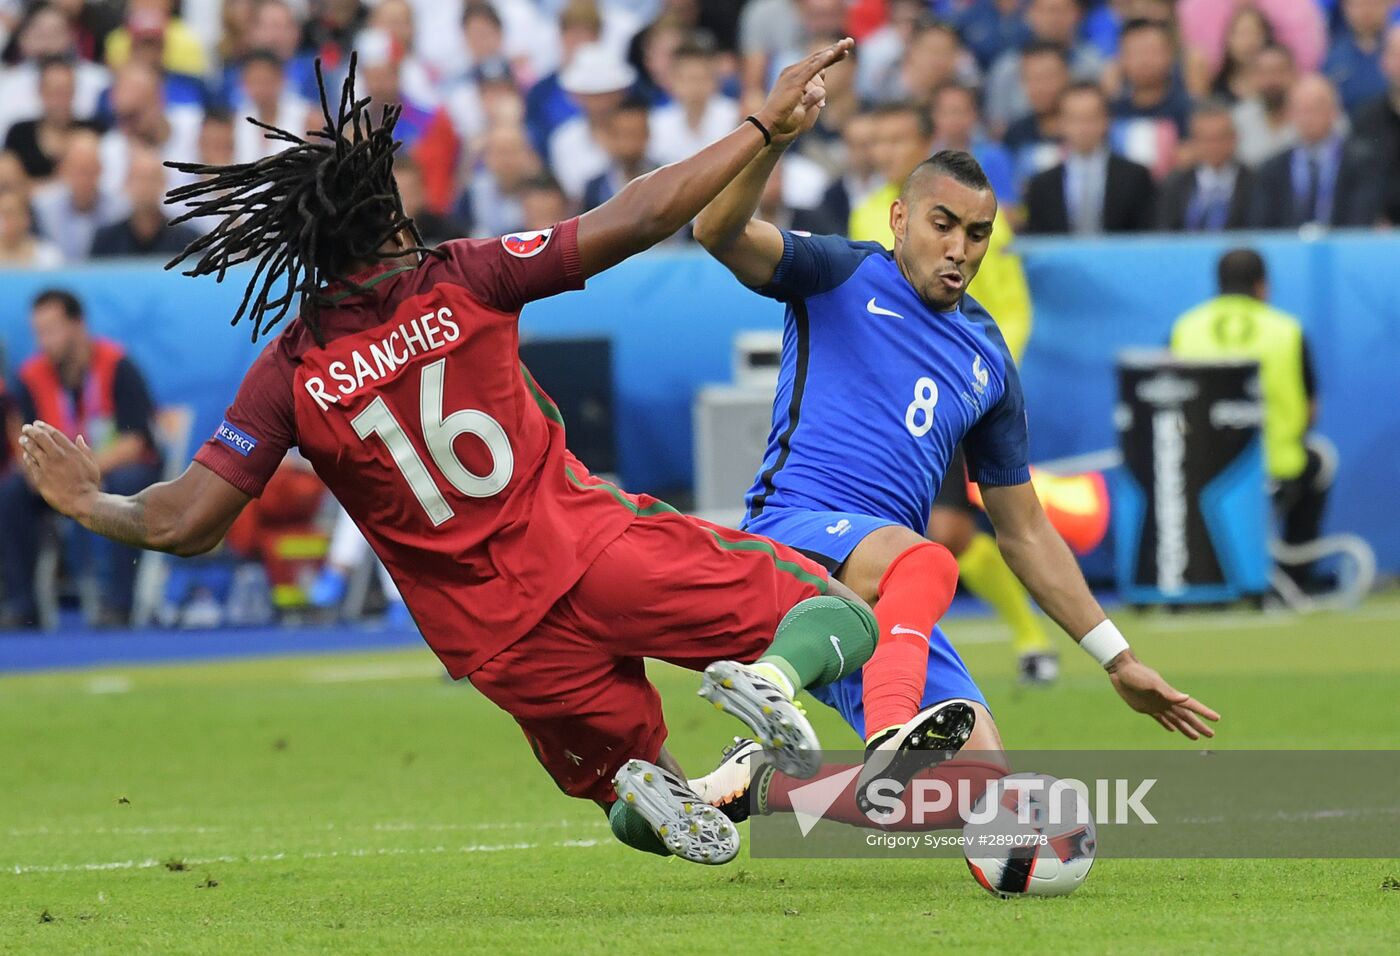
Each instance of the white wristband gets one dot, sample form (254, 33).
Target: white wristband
(1104, 643)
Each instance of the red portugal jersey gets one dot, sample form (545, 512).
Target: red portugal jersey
(420, 418)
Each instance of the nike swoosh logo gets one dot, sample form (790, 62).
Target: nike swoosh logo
(901, 629)
(874, 309)
(836, 643)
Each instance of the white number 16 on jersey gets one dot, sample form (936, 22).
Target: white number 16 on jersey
(918, 417)
(439, 433)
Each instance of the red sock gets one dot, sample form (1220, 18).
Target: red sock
(957, 773)
(915, 592)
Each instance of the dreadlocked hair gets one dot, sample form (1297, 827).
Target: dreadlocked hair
(305, 215)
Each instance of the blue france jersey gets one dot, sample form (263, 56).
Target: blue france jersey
(877, 389)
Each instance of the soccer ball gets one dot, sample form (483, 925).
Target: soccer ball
(1034, 838)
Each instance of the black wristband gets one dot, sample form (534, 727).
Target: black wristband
(767, 137)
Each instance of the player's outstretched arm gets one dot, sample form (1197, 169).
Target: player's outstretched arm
(655, 206)
(1041, 559)
(189, 515)
(727, 228)
(749, 247)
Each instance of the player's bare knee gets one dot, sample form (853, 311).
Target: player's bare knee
(866, 566)
(836, 589)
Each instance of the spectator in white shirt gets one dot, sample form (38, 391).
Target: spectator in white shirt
(766, 29)
(265, 97)
(491, 206)
(598, 81)
(698, 113)
(143, 117)
(40, 142)
(880, 53)
(529, 35)
(437, 35)
(1262, 120)
(215, 147)
(417, 80)
(626, 134)
(832, 215)
(933, 58)
(772, 33)
(483, 33)
(74, 206)
(47, 34)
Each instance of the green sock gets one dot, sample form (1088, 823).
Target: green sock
(821, 640)
(629, 827)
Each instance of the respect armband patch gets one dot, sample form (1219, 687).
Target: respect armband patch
(235, 438)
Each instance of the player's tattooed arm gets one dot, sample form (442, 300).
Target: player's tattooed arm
(187, 516)
(655, 206)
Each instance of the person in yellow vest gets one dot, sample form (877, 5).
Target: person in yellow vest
(83, 385)
(1239, 323)
(903, 139)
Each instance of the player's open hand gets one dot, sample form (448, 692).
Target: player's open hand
(64, 473)
(1144, 690)
(797, 97)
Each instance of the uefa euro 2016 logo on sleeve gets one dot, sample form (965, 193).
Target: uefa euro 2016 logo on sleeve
(235, 438)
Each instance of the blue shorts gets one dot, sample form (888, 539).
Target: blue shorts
(829, 537)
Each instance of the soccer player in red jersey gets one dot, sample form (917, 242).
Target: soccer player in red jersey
(400, 381)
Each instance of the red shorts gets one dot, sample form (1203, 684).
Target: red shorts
(671, 587)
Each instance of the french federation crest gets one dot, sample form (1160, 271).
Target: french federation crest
(980, 375)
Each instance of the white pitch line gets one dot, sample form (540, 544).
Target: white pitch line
(108, 684)
(382, 827)
(151, 863)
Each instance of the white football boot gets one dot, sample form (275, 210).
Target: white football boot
(776, 720)
(688, 826)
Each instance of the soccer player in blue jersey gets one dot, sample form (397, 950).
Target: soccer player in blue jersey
(887, 366)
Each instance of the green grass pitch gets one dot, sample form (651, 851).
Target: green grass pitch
(363, 804)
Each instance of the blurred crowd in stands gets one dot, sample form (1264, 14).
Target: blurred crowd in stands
(1089, 115)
